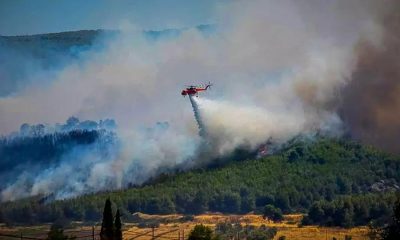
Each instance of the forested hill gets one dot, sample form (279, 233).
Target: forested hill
(344, 182)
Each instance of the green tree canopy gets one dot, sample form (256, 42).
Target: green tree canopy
(200, 232)
(57, 233)
(273, 213)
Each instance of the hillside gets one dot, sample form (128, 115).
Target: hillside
(29, 59)
(339, 179)
(24, 57)
(47, 45)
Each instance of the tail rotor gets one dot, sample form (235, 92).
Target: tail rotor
(209, 85)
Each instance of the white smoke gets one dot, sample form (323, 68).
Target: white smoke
(276, 66)
(234, 124)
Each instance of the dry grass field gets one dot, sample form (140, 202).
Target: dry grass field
(173, 227)
(288, 227)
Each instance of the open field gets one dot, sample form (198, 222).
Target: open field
(174, 227)
(288, 227)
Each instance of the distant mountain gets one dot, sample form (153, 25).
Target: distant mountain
(27, 59)
(41, 44)
(23, 56)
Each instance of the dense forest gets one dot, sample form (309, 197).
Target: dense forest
(337, 182)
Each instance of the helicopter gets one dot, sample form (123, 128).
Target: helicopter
(192, 90)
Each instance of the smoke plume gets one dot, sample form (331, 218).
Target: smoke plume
(371, 100)
(280, 69)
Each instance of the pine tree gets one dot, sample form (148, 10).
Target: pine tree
(107, 229)
(118, 225)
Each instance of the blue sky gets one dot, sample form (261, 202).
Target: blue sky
(19, 17)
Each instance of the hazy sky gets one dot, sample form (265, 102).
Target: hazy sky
(18, 17)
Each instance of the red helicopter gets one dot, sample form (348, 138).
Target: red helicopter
(194, 90)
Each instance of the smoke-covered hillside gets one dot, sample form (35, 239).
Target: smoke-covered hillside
(55, 160)
(39, 55)
(325, 178)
